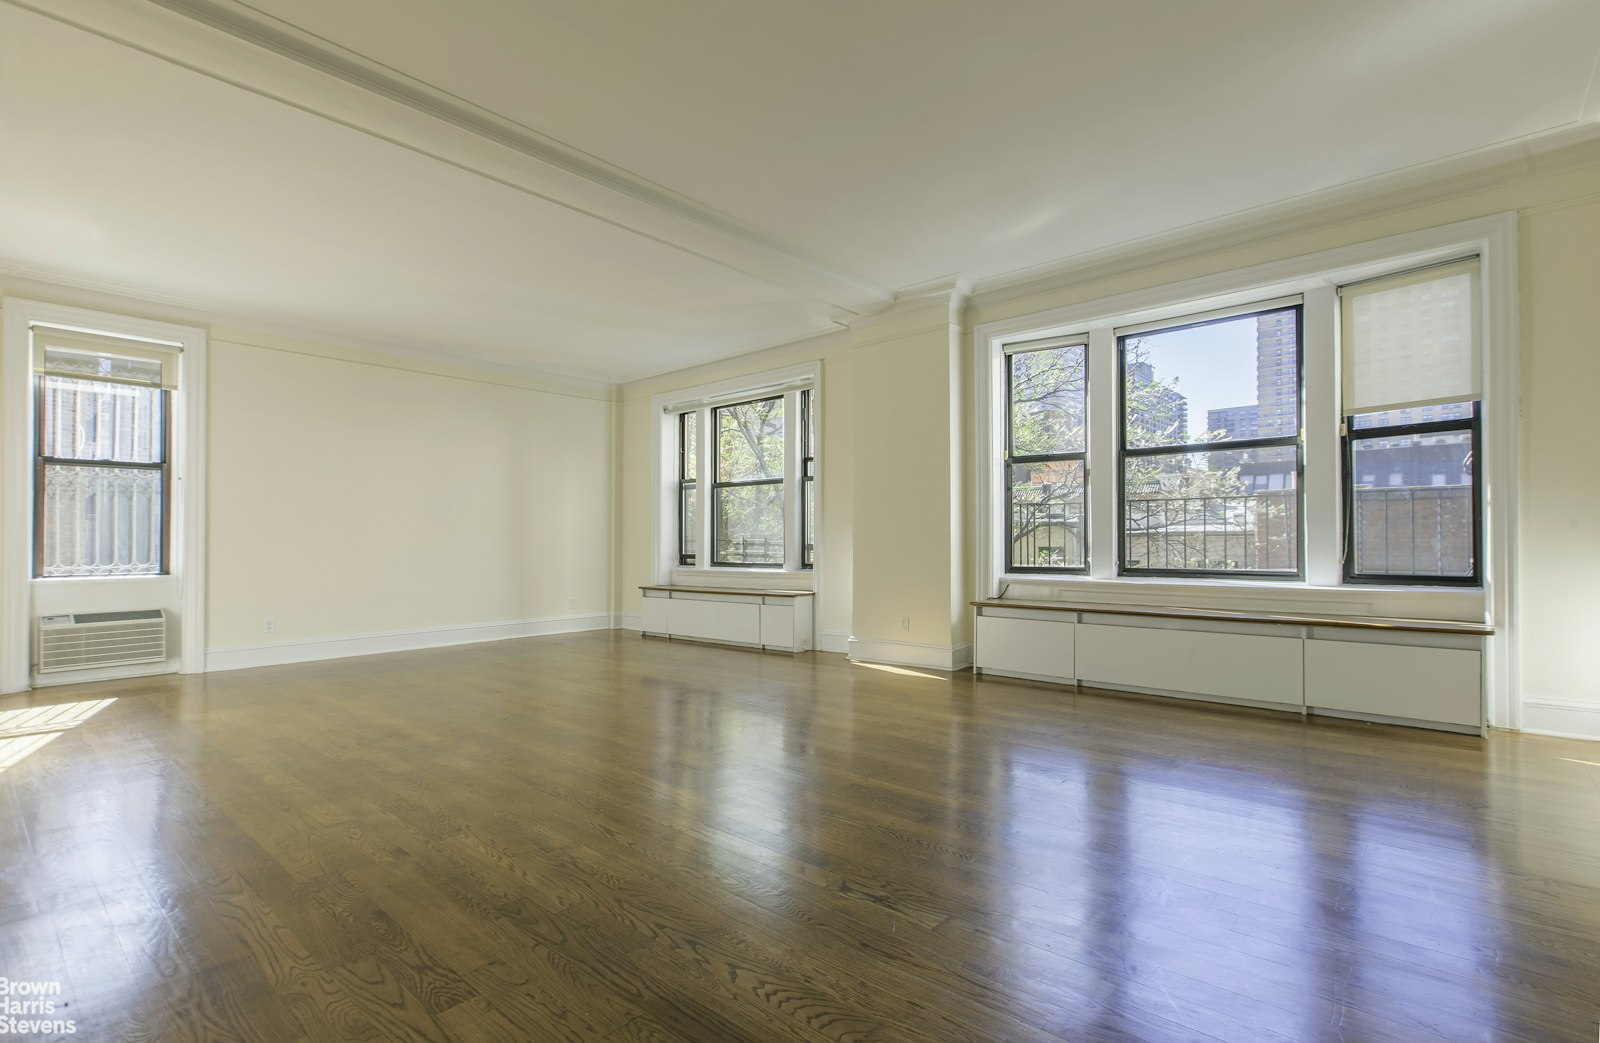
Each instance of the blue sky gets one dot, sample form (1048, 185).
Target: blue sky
(1214, 366)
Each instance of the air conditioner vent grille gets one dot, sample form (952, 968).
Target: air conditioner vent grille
(96, 639)
(117, 617)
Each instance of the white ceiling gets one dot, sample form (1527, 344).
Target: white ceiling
(614, 189)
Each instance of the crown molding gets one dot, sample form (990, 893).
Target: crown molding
(951, 292)
(20, 280)
(1571, 147)
(232, 43)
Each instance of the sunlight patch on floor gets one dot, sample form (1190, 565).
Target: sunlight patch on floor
(903, 671)
(26, 731)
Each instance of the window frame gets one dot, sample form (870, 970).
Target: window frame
(1316, 277)
(789, 381)
(808, 477)
(1350, 435)
(1008, 316)
(1240, 445)
(687, 486)
(182, 591)
(42, 462)
(1011, 459)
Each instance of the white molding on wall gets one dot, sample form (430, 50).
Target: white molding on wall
(629, 621)
(834, 641)
(16, 526)
(910, 653)
(1565, 718)
(1547, 152)
(229, 324)
(244, 657)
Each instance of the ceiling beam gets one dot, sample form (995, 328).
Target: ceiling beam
(237, 45)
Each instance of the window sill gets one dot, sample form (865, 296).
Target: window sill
(1466, 604)
(734, 576)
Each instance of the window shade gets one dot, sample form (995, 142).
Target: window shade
(1412, 339)
(87, 356)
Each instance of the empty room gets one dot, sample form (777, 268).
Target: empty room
(832, 521)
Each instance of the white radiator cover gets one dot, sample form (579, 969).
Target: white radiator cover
(96, 639)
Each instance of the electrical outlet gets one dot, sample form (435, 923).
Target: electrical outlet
(269, 626)
(905, 622)
(572, 603)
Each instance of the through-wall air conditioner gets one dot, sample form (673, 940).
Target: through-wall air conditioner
(94, 639)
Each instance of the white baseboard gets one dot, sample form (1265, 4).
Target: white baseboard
(834, 641)
(1567, 718)
(629, 622)
(105, 673)
(244, 657)
(910, 653)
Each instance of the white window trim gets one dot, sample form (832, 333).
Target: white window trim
(665, 409)
(1316, 276)
(16, 493)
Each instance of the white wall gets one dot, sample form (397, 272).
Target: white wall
(365, 501)
(348, 498)
(1560, 535)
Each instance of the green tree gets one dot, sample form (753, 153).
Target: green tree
(749, 449)
(1165, 497)
(1048, 415)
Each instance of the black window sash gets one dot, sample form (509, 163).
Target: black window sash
(41, 461)
(1013, 460)
(1473, 426)
(1234, 445)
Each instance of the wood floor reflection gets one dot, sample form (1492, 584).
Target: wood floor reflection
(599, 837)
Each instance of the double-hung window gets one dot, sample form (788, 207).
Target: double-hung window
(1412, 393)
(739, 476)
(1210, 444)
(102, 463)
(1336, 420)
(1046, 452)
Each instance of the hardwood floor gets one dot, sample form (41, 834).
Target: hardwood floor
(602, 837)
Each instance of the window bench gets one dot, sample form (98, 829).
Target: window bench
(778, 619)
(1420, 672)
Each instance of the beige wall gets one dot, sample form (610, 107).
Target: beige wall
(909, 570)
(352, 493)
(347, 498)
(1560, 465)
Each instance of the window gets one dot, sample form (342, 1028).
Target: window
(1210, 449)
(103, 444)
(1338, 420)
(747, 490)
(1046, 453)
(688, 469)
(739, 465)
(1412, 396)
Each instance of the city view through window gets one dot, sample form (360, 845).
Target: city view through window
(1211, 461)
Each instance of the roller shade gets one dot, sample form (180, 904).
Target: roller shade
(64, 353)
(1412, 339)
